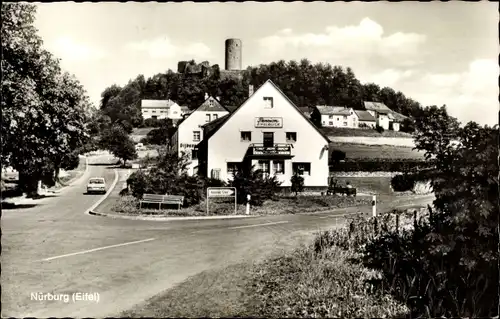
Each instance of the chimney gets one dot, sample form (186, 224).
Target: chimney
(206, 96)
(250, 90)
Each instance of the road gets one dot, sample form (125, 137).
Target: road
(56, 248)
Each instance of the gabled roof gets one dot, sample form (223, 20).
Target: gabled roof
(377, 107)
(381, 108)
(157, 103)
(205, 106)
(333, 110)
(365, 116)
(217, 124)
(211, 104)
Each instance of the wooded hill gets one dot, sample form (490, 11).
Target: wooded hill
(306, 84)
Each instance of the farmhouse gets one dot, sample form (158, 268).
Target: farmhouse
(267, 131)
(386, 118)
(366, 119)
(337, 116)
(189, 131)
(162, 109)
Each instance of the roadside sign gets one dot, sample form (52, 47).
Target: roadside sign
(221, 192)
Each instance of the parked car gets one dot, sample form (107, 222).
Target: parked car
(96, 185)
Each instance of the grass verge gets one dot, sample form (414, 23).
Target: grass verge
(364, 151)
(306, 282)
(128, 205)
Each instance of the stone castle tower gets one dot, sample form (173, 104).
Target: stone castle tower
(233, 54)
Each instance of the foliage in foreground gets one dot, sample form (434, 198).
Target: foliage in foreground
(44, 110)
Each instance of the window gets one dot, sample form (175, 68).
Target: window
(216, 116)
(268, 102)
(302, 168)
(246, 136)
(279, 167)
(210, 103)
(331, 123)
(324, 122)
(291, 136)
(232, 168)
(216, 173)
(194, 154)
(264, 167)
(338, 118)
(154, 111)
(345, 117)
(345, 123)
(207, 118)
(196, 136)
(146, 111)
(331, 117)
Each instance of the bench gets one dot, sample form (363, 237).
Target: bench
(341, 190)
(162, 199)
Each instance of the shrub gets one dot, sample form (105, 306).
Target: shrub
(253, 182)
(379, 129)
(297, 184)
(380, 165)
(403, 182)
(337, 156)
(138, 184)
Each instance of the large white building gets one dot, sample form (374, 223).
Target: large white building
(189, 131)
(337, 116)
(162, 109)
(267, 131)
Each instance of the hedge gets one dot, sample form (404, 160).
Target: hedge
(380, 165)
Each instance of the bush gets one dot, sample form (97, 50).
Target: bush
(379, 129)
(297, 184)
(253, 182)
(403, 182)
(337, 156)
(381, 165)
(138, 184)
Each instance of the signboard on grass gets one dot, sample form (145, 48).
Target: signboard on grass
(221, 192)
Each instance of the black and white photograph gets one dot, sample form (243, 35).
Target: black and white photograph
(250, 159)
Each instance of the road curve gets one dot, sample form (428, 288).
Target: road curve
(55, 248)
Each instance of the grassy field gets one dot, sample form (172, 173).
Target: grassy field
(358, 151)
(340, 131)
(316, 279)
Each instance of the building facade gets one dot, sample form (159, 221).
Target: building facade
(189, 131)
(337, 116)
(366, 119)
(161, 109)
(386, 118)
(269, 132)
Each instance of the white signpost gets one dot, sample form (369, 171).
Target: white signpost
(221, 192)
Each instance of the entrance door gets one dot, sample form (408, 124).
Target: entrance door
(268, 139)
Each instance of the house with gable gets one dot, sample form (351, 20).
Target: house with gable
(189, 131)
(386, 118)
(162, 109)
(336, 116)
(269, 132)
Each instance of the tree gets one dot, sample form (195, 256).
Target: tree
(297, 184)
(118, 142)
(253, 182)
(43, 110)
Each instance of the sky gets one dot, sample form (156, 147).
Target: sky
(436, 52)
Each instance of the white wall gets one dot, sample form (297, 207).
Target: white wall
(383, 120)
(338, 120)
(185, 141)
(160, 112)
(175, 112)
(369, 123)
(226, 145)
(395, 126)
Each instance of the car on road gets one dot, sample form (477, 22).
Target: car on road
(96, 185)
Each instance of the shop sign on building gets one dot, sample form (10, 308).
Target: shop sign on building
(268, 122)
